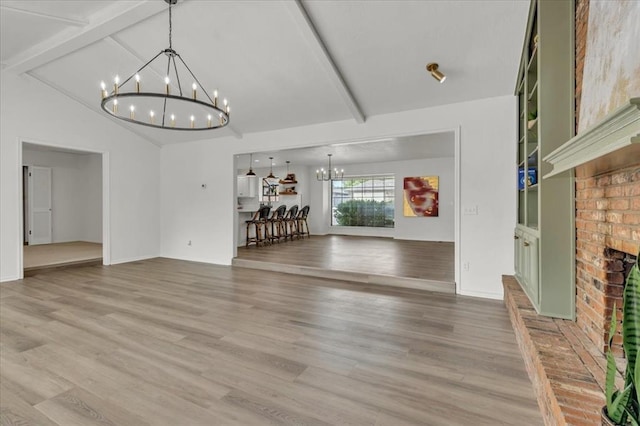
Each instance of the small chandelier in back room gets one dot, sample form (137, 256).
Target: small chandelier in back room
(329, 174)
(167, 108)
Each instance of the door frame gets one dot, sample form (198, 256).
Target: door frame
(106, 216)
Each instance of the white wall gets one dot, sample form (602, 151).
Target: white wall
(76, 193)
(31, 111)
(439, 228)
(92, 189)
(487, 180)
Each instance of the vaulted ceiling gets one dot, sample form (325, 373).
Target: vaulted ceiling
(281, 63)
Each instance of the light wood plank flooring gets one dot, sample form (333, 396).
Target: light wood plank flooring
(61, 254)
(425, 265)
(167, 342)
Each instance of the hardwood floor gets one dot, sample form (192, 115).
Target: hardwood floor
(167, 342)
(57, 255)
(427, 265)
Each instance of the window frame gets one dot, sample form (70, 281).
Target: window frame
(386, 189)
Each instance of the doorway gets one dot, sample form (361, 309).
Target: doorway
(63, 202)
(421, 154)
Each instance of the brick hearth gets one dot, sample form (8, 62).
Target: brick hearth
(566, 369)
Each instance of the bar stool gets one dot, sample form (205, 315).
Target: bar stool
(276, 224)
(301, 222)
(290, 223)
(261, 230)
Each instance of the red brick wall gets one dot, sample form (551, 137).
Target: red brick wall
(607, 215)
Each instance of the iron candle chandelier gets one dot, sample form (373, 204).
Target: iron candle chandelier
(164, 109)
(329, 174)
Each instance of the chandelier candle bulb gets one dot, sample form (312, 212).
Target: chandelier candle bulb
(194, 87)
(115, 106)
(173, 120)
(209, 120)
(133, 112)
(151, 115)
(116, 81)
(193, 119)
(103, 89)
(166, 83)
(215, 98)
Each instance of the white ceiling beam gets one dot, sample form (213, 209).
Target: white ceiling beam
(75, 22)
(313, 39)
(115, 19)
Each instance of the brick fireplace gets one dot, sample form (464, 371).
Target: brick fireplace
(607, 236)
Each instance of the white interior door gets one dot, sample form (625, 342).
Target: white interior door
(40, 205)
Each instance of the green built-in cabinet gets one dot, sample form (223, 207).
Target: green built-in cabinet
(545, 236)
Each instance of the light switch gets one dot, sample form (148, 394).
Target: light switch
(471, 211)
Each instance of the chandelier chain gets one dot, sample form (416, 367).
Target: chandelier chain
(170, 27)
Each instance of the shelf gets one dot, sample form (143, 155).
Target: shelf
(612, 142)
(288, 193)
(530, 188)
(288, 182)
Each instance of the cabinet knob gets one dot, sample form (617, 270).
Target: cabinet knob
(526, 244)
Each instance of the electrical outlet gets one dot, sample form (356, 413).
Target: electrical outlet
(466, 266)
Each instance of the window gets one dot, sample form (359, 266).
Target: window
(363, 201)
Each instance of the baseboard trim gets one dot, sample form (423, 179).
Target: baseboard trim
(133, 259)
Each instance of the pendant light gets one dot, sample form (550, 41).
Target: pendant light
(250, 172)
(291, 177)
(271, 176)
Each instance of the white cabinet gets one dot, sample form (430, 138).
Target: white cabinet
(247, 186)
